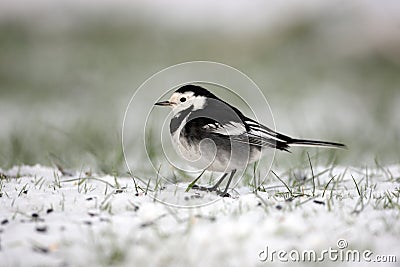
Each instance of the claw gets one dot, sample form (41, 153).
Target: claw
(224, 194)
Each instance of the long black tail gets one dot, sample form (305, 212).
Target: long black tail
(304, 142)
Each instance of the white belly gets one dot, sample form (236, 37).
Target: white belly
(206, 155)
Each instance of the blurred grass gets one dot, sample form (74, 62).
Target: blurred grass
(64, 88)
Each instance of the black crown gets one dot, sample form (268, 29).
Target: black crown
(197, 91)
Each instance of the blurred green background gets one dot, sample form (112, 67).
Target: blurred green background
(68, 69)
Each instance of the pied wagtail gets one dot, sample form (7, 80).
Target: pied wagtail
(214, 134)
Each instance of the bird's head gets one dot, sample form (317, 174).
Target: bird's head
(187, 96)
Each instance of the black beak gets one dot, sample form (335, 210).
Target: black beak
(163, 103)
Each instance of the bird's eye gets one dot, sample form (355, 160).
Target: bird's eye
(183, 99)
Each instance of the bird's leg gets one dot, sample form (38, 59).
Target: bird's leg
(225, 193)
(215, 187)
(210, 189)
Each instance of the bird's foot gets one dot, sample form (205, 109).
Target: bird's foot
(211, 189)
(223, 194)
(203, 188)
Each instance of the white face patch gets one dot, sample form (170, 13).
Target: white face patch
(198, 102)
(183, 101)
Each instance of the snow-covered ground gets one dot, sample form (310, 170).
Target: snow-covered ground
(48, 218)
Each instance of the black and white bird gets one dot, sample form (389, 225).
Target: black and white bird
(213, 134)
